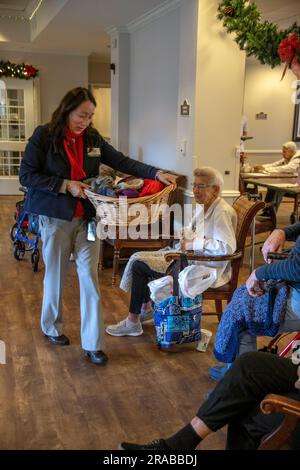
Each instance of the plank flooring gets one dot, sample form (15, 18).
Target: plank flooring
(52, 398)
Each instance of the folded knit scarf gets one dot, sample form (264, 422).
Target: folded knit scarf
(261, 316)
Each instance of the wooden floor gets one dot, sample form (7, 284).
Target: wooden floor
(52, 398)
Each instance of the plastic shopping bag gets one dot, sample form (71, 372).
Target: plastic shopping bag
(195, 279)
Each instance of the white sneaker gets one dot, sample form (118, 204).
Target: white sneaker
(122, 329)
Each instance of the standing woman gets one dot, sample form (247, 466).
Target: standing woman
(58, 157)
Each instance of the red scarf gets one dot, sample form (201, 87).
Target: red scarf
(73, 145)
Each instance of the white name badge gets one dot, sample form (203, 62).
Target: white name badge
(94, 152)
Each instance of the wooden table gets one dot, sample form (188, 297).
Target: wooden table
(246, 176)
(287, 185)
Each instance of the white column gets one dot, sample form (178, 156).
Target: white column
(187, 87)
(120, 55)
(219, 97)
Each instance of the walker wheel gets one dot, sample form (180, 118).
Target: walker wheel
(35, 257)
(12, 232)
(19, 250)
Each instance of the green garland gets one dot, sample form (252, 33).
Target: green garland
(257, 38)
(23, 71)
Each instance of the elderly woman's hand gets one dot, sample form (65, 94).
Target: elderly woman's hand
(258, 168)
(76, 188)
(254, 286)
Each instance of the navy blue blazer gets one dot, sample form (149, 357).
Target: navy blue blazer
(43, 171)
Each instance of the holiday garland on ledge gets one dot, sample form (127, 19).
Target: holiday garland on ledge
(261, 39)
(7, 69)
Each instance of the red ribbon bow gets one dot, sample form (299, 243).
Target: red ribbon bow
(288, 51)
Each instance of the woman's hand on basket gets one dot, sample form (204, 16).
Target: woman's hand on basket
(76, 188)
(166, 178)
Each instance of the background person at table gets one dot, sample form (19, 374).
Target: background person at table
(288, 164)
(58, 157)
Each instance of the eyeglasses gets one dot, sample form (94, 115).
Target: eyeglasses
(201, 186)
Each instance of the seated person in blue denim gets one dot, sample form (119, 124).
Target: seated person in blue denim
(287, 270)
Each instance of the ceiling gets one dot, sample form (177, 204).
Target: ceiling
(78, 26)
(16, 5)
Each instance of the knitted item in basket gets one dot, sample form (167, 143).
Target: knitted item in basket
(115, 211)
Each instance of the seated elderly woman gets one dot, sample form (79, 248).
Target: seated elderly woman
(220, 221)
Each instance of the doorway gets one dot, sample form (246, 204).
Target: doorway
(17, 122)
(102, 116)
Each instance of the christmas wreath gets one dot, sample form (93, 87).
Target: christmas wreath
(261, 39)
(7, 69)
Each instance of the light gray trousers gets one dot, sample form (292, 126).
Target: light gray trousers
(60, 239)
(291, 323)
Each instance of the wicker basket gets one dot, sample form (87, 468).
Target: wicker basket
(120, 211)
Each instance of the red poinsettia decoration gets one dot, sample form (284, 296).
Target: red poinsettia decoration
(31, 71)
(289, 50)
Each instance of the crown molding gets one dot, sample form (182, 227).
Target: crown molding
(116, 30)
(142, 20)
(152, 15)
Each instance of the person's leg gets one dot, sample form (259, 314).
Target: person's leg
(277, 199)
(141, 275)
(247, 343)
(56, 249)
(270, 196)
(131, 326)
(86, 255)
(238, 437)
(250, 378)
(247, 434)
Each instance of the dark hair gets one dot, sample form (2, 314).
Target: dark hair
(70, 101)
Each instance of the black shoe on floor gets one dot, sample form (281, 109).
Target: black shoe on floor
(61, 340)
(97, 357)
(159, 444)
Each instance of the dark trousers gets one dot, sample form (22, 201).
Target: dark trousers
(141, 275)
(275, 197)
(235, 400)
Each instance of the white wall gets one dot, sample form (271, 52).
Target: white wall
(187, 87)
(265, 92)
(220, 94)
(58, 74)
(154, 70)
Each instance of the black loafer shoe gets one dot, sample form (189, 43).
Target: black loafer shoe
(159, 444)
(61, 340)
(97, 357)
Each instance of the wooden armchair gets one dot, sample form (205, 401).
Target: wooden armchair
(280, 438)
(130, 245)
(246, 211)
